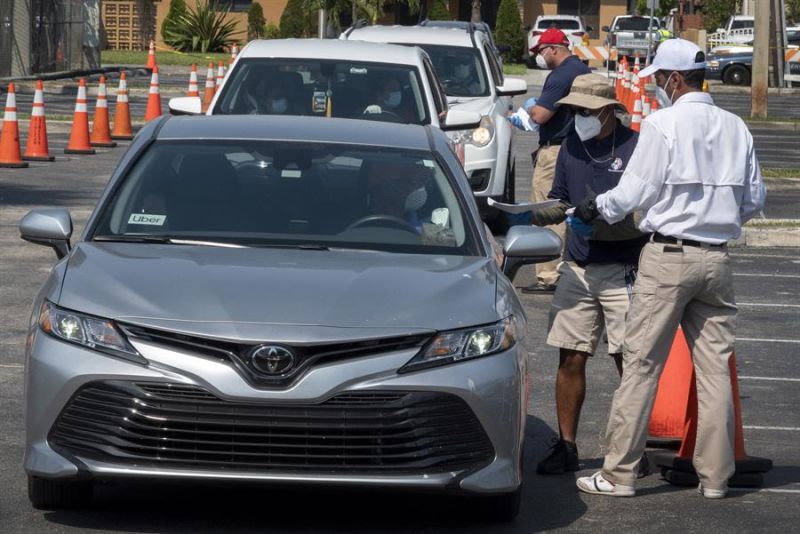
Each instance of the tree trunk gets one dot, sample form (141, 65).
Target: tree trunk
(476, 11)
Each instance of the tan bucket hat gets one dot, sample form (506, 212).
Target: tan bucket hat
(591, 91)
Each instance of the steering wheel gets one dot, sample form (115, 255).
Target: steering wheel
(378, 116)
(390, 220)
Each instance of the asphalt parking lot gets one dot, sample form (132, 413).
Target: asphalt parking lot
(768, 291)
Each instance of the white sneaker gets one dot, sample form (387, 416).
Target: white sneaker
(600, 486)
(709, 493)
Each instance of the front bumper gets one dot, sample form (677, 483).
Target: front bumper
(492, 388)
(480, 165)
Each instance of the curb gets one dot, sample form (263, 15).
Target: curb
(777, 125)
(754, 235)
(49, 76)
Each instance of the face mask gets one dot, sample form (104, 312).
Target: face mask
(664, 100)
(587, 127)
(461, 71)
(416, 199)
(541, 62)
(278, 106)
(392, 99)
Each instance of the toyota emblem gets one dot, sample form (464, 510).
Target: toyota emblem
(272, 360)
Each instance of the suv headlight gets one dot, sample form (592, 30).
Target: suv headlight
(92, 332)
(457, 345)
(483, 134)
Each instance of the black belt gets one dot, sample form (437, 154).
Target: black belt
(661, 238)
(552, 142)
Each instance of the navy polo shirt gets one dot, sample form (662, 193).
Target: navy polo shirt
(575, 170)
(556, 87)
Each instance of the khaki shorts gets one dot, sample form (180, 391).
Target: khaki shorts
(586, 300)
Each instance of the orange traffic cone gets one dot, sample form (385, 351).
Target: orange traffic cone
(151, 56)
(234, 53)
(636, 116)
(669, 410)
(626, 88)
(122, 113)
(636, 63)
(79, 136)
(645, 107)
(10, 155)
(653, 106)
(211, 87)
(193, 82)
(101, 134)
(153, 98)
(220, 74)
(620, 76)
(37, 149)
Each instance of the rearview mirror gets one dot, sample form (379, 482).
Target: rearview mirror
(525, 245)
(185, 105)
(458, 119)
(48, 226)
(512, 87)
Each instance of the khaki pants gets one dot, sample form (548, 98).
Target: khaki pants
(543, 173)
(691, 287)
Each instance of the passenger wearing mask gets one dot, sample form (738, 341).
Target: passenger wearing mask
(263, 96)
(555, 123)
(463, 81)
(388, 98)
(599, 261)
(397, 189)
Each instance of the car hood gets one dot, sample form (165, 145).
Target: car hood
(278, 293)
(480, 104)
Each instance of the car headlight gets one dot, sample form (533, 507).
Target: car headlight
(457, 345)
(714, 64)
(92, 332)
(483, 134)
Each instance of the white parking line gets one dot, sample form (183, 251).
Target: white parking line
(797, 257)
(765, 305)
(763, 490)
(768, 275)
(762, 340)
(770, 378)
(12, 366)
(788, 428)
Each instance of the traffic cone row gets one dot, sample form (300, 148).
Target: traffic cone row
(10, 155)
(37, 149)
(79, 136)
(122, 114)
(101, 133)
(153, 98)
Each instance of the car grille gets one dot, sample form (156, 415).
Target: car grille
(185, 426)
(307, 356)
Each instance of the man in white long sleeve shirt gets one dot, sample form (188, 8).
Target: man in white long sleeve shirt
(695, 176)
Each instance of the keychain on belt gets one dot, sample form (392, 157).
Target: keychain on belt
(630, 278)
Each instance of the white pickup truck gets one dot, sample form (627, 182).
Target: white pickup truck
(629, 35)
(738, 30)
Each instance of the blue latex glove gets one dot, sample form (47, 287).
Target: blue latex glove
(516, 121)
(579, 227)
(529, 103)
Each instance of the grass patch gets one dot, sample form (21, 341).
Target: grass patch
(515, 69)
(749, 118)
(776, 172)
(163, 57)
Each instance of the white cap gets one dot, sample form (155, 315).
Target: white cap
(676, 55)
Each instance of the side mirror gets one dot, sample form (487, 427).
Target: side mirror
(185, 105)
(525, 245)
(512, 87)
(503, 48)
(48, 226)
(458, 119)
(605, 29)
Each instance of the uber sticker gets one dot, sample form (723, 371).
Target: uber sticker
(146, 218)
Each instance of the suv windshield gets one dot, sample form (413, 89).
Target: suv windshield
(354, 90)
(635, 24)
(561, 24)
(288, 194)
(459, 68)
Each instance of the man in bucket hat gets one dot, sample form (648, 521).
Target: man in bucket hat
(599, 261)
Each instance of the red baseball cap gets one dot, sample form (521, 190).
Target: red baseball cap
(551, 36)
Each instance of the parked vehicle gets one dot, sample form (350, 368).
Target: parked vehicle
(297, 299)
(733, 63)
(632, 35)
(464, 25)
(574, 27)
(473, 80)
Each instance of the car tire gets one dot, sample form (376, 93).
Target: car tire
(736, 75)
(47, 494)
(502, 508)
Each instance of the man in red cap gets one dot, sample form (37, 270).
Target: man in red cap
(555, 122)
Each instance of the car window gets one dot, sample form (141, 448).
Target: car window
(741, 24)
(276, 193)
(561, 24)
(459, 68)
(439, 97)
(636, 24)
(494, 67)
(355, 90)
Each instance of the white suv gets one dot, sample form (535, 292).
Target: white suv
(573, 27)
(473, 79)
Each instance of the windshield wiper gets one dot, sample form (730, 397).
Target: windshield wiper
(163, 239)
(308, 246)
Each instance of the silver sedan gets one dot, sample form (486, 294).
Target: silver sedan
(301, 300)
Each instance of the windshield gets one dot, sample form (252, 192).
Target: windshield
(354, 90)
(561, 24)
(636, 24)
(274, 193)
(459, 68)
(742, 24)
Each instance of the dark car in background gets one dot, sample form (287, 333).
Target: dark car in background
(733, 64)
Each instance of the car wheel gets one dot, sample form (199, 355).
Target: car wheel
(736, 75)
(502, 508)
(46, 494)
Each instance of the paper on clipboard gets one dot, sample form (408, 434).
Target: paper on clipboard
(523, 207)
(525, 120)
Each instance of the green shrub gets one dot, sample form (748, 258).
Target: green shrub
(296, 20)
(509, 31)
(203, 29)
(271, 31)
(438, 11)
(255, 21)
(177, 10)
